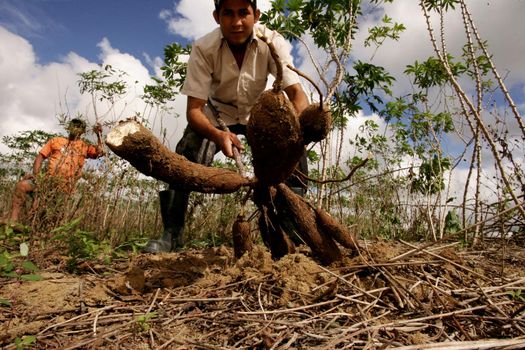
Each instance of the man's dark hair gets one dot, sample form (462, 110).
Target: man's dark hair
(77, 123)
(218, 4)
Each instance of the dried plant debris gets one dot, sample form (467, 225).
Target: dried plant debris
(390, 295)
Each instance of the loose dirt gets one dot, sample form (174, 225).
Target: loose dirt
(207, 299)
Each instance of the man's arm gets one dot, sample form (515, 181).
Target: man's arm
(199, 123)
(97, 128)
(37, 165)
(297, 96)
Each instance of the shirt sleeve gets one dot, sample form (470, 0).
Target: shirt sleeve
(283, 49)
(92, 152)
(47, 149)
(198, 75)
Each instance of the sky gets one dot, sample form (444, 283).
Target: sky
(44, 44)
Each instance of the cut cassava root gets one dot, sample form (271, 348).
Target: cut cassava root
(133, 142)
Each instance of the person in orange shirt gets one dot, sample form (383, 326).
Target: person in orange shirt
(66, 158)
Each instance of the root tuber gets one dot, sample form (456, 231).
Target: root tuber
(133, 142)
(242, 240)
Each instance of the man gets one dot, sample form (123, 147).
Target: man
(227, 70)
(66, 159)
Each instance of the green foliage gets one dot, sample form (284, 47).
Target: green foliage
(368, 83)
(452, 222)
(81, 245)
(174, 70)
(327, 21)
(23, 148)
(96, 82)
(431, 176)
(373, 207)
(6, 264)
(517, 295)
(13, 259)
(439, 5)
(27, 340)
(478, 65)
(379, 34)
(432, 72)
(368, 139)
(285, 16)
(416, 132)
(143, 321)
(13, 267)
(174, 74)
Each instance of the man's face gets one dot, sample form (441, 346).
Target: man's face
(76, 130)
(236, 19)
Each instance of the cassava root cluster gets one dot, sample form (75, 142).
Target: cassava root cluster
(277, 137)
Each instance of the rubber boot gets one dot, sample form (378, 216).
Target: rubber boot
(178, 218)
(172, 209)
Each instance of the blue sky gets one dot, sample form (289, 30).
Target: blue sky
(57, 27)
(44, 44)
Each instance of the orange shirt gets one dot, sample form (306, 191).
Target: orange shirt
(66, 158)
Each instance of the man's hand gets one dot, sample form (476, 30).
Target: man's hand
(226, 140)
(29, 177)
(97, 129)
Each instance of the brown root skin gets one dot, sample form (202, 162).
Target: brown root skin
(136, 144)
(275, 138)
(316, 119)
(242, 240)
(316, 123)
(322, 245)
(335, 230)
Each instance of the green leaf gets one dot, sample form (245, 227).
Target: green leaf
(3, 260)
(29, 266)
(25, 341)
(5, 302)
(31, 278)
(28, 340)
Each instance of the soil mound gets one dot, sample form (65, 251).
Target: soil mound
(389, 295)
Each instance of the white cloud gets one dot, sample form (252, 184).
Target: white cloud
(31, 94)
(498, 22)
(192, 19)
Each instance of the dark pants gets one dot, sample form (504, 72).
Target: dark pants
(202, 151)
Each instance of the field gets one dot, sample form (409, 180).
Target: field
(389, 295)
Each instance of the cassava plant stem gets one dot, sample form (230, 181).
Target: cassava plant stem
(311, 82)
